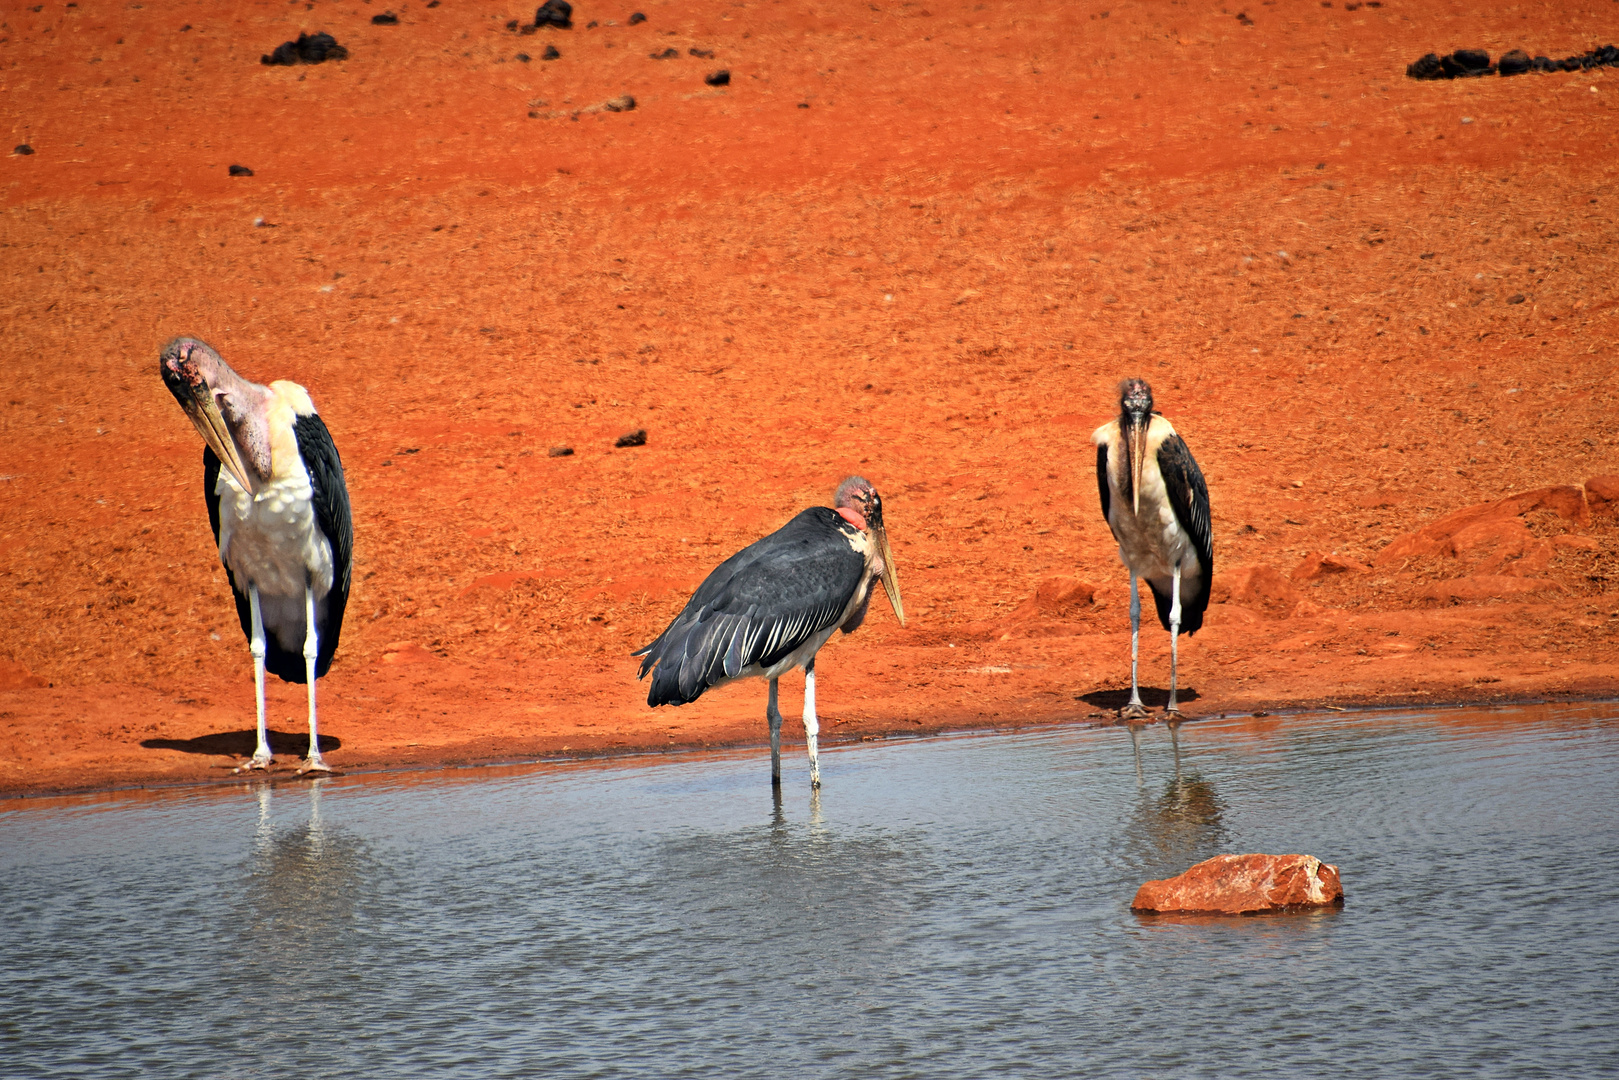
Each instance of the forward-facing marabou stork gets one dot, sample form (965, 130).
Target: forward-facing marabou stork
(1157, 505)
(770, 607)
(280, 514)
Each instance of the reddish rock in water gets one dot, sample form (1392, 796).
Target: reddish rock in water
(1245, 885)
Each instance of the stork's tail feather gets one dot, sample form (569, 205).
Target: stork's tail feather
(698, 652)
(1194, 602)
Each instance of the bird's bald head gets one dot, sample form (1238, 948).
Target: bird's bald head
(229, 412)
(1135, 398)
(857, 494)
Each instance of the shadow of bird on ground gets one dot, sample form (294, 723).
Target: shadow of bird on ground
(241, 743)
(1153, 697)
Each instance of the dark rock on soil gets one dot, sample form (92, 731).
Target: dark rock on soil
(524, 57)
(1425, 68)
(667, 54)
(1467, 63)
(1515, 62)
(637, 18)
(550, 53)
(622, 103)
(22, 150)
(562, 451)
(308, 49)
(705, 54)
(240, 170)
(721, 77)
(1515, 298)
(634, 438)
(557, 13)
(387, 18)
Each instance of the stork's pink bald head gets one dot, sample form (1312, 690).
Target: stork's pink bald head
(858, 503)
(230, 413)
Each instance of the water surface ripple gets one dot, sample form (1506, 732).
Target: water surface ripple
(949, 908)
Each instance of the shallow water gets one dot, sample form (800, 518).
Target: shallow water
(955, 907)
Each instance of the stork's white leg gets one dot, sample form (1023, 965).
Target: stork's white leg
(773, 714)
(255, 645)
(812, 725)
(1135, 710)
(1135, 744)
(314, 762)
(1174, 634)
(1175, 742)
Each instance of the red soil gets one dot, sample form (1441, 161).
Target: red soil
(934, 275)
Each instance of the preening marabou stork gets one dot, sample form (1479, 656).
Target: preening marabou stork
(770, 607)
(280, 513)
(1156, 503)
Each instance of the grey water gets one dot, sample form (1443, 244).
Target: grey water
(955, 907)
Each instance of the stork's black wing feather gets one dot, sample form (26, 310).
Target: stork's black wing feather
(1189, 498)
(1102, 485)
(756, 607)
(331, 506)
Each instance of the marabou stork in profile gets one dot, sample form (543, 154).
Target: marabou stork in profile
(280, 514)
(1156, 503)
(770, 607)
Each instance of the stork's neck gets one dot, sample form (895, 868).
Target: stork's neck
(246, 408)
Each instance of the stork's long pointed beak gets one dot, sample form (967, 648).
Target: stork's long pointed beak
(889, 578)
(210, 423)
(1135, 437)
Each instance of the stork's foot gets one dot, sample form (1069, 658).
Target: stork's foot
(256, 763)
(313, 765)
(1173, 710)
(1134, 711)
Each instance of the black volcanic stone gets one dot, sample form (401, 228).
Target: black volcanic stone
(387, 18)
(1427, 67)
(637, 18)
(721, 77)
(667, 54)
(550, 53)
(308, 49)
(1467, 63)
(22, 149)
(562, 451)
(705, 54)
(240, 170)
(524, 57)
(558, 13)
(634, 438)
(1515, 62)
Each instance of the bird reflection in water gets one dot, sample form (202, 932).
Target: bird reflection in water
(1183, 821)
(304, 883)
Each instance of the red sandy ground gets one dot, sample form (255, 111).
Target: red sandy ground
(934, 275)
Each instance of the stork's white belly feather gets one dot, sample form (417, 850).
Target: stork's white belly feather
(271, 539)
(1151, 541)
